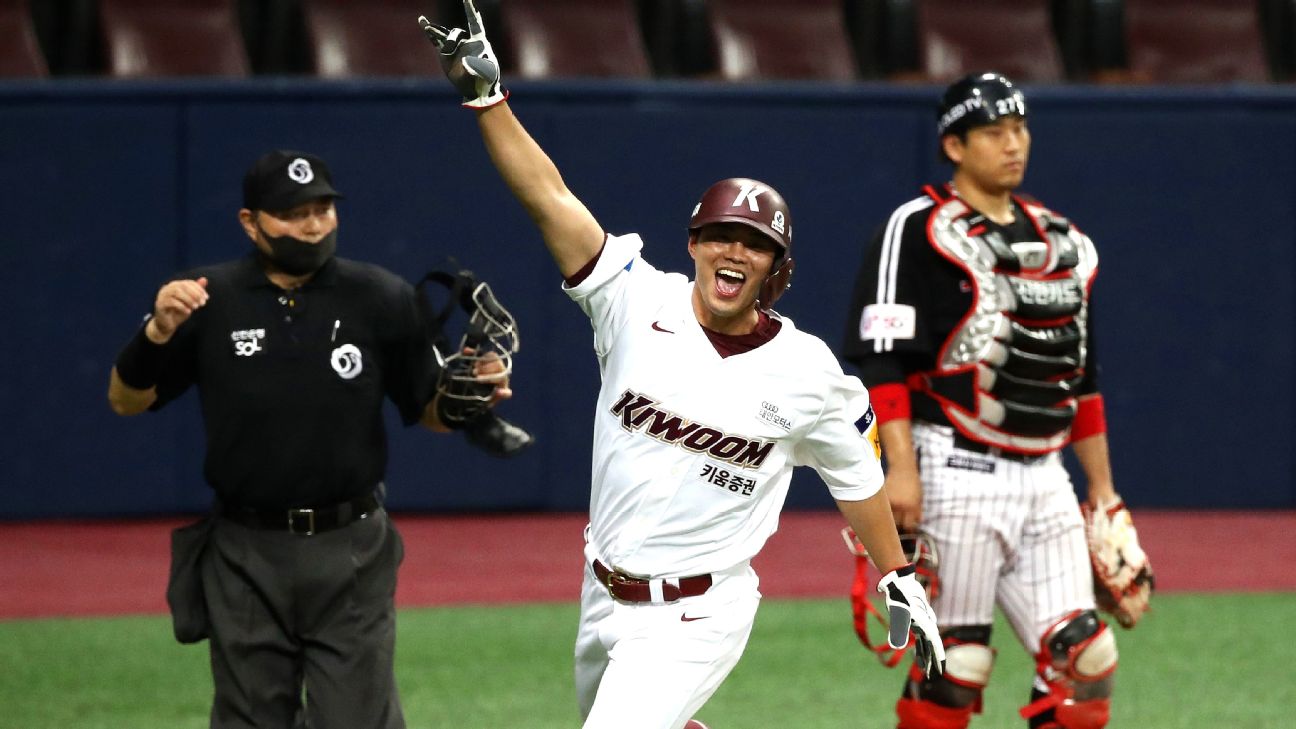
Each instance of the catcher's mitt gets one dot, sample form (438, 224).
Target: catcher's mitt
(1123, 579)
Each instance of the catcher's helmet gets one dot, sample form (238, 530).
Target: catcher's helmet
(977, 100)
(757, 205)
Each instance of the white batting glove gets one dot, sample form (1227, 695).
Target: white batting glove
(468, 59)
(907, 607)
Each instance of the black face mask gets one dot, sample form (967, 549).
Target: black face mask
(297, 257)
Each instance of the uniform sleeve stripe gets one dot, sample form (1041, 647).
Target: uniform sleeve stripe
(890, 259)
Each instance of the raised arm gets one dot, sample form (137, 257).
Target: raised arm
(132, 384)
(570, 232)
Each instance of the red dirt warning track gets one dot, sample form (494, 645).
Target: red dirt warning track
(82, 568)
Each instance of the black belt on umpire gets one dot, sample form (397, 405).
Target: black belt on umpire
(637, 589)
(964, 443)
(302, 521)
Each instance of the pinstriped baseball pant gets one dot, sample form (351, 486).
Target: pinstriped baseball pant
(1007, 534)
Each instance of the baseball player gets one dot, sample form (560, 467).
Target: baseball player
(708, 400)
(971, 327)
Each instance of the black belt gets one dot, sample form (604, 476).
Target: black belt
(964, 443)
(302, 521)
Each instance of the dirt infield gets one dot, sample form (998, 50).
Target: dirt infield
(83, 568)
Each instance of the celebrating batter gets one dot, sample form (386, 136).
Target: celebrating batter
(972, 326)
(708, 400)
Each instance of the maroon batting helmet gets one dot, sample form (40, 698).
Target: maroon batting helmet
(756, 205)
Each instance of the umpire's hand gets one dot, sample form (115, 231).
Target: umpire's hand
(468, 59)
(175, 303)
(907, 606)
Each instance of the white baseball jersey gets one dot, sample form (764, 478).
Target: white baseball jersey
(693, 453)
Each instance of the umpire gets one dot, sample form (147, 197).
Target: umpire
(292, 350)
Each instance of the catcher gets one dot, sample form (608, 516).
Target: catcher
(972, 326)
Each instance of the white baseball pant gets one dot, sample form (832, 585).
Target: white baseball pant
(1007, 533)
(653, 665)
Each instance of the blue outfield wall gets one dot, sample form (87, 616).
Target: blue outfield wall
(110, 187)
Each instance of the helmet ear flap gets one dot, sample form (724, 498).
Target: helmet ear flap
(779, 280)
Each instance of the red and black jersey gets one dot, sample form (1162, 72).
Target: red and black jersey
(958, 320)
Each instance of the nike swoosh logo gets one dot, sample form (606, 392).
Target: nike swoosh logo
(686, 619)
(657, 326)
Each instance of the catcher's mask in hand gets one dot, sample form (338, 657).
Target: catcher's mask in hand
(484, 356)
(920, 550)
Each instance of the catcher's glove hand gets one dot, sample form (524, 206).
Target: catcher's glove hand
(907, 606)
(468, 59)
(1123, 579)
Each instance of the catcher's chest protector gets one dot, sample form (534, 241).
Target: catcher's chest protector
(1007, 375)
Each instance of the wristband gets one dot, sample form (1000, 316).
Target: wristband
(890, 401)
(1090, 419)
(140, 362)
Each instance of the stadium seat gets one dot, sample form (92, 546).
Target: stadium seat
(1194, 41)
(1278, 17)
(568, 38)
(781, 39)
(370, 38)
(20, 54)
(677, 37)
(150, 38)
(1015, 37)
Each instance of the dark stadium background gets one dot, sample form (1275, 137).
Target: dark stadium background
(1165, 128)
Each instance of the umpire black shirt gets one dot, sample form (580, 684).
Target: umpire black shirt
(292, 382)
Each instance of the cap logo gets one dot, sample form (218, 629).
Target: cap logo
(300, 171)
(778, 222)
(748, 194)
(958, 111)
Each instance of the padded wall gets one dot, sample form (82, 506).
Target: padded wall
(1189, 194)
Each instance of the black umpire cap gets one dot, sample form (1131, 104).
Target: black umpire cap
(284, 179)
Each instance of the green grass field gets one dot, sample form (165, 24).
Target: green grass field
(1215, 661)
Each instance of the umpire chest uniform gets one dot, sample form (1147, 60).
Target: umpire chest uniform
(299, 573)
